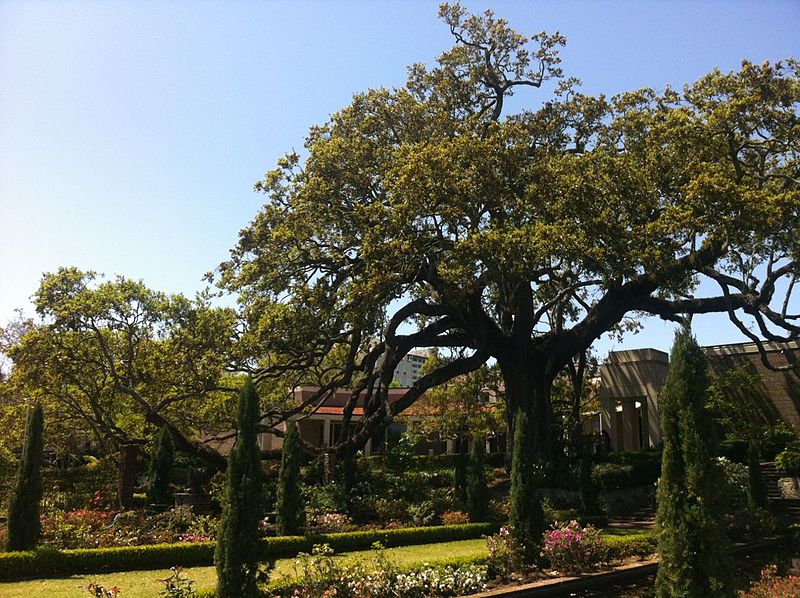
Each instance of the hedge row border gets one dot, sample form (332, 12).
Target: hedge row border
(46, 562)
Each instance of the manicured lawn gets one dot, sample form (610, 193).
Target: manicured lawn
(144, 584)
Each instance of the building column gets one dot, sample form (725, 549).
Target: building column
(646, 437)
(326, 432)
(630, 425)
(451, 446)
(653, 418)
(368, 448)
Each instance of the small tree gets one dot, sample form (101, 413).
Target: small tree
(289, 501)
(477, 491)
(160, 473)
(24, 526)
(525, 517)
(694, 548)
(237, 542)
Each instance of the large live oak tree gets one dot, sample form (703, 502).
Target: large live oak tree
(425, 216)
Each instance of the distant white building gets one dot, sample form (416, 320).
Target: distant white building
(407, 371)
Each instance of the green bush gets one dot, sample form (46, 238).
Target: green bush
(618, 476)
(789, 462)
(639, 545)
(433, 462)
(50, 562)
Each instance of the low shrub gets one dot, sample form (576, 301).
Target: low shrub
(570, 548)
(736, 479)
(318, 522)
(751, 523)
(777, 438)
(386, 509)
(434, 462)
(506, 554)
(616, 476)
(454, 518)
(771, 585)
(48, 561)
(177, 585)
(634, 545)
(553, 515)
(87, 528)
(789, 462)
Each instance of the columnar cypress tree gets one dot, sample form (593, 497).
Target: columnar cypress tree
(460, 474)
(589, 498)
(161, 461)
(237, 542)
(24, 526)
(756, 487)
(289, 505)
(525, 517)
(477, 491)
(694, 548)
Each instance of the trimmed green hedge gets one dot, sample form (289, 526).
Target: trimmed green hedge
(49, 562)
(429, 462)
(620, 547)
(615, 476)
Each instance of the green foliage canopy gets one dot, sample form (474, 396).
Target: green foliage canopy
(523, 237)
(116, 359)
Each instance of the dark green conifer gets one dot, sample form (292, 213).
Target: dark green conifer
(24, 526)
(237, 541)
(161, 461)
(460, 473)
(692, 541)
(590, 503)
(756, 487)
(525, 517)
(289, 505)
(477, 490)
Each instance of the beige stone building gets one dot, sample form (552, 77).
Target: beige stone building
(630, 382)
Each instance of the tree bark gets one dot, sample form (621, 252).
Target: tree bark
(527, 388)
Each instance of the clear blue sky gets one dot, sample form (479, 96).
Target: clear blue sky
(131, 133)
